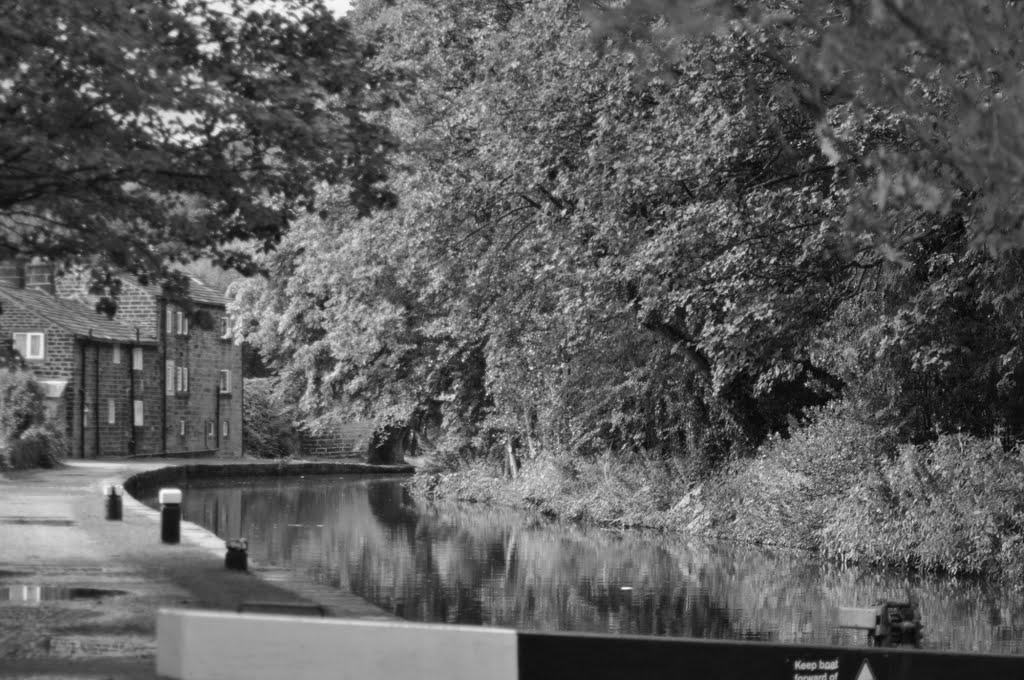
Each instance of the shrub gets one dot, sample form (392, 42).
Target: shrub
(266, 424)
(789, 491)
(604, 490)
(21, 403)
(953, 506)
(37, 447)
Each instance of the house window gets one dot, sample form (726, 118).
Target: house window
(86, 415)
(111, 412)
(30, 345)
(181, 427)
(225, 382)
(225, 327)
(182, 323)
(225, 429)
(169, 320)
(136, 358)
(116, 354)
(137, 412)
(169, 377)
(211, 429)
(181, 379)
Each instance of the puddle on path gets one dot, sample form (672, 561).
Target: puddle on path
(34, 594)
(43, 521)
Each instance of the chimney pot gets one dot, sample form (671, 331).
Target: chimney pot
(39, 276)
(12, 274)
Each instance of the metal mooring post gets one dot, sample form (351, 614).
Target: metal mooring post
(170, 515)
(237, 557)
(113, 493)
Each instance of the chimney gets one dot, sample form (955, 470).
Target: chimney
(39, 276)
(11, 274)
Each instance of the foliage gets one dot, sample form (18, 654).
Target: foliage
(603, 491)
(836, 486)
(529, 262)
(792, 489)
(934, 347)
(945, 80)
(952, 505)
(40, 446)
(21, 403)
(153, 132)
(267, 427)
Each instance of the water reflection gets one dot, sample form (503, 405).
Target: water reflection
(477, 565)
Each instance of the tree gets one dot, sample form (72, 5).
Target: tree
(944, 80)
(152, 132)
(568, 214)
(671, 246)
(918, 106)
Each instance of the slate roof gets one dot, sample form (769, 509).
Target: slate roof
(200, 292)
(197, 290)
(72, 315)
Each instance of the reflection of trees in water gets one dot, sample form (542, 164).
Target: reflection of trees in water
(473, 564)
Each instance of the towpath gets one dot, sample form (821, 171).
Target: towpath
(79, 593)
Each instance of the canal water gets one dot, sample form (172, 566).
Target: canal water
(470, 564)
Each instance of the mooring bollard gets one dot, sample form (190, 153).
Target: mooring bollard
(170, 515)
(237, 557)
(113, 493)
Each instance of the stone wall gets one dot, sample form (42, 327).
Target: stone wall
(109, 392)
(344, 440)
(211, 419)
(136, 306)
(58, 352)
(146, 483)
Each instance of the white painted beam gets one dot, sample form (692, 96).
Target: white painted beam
(204, 645)
(857, 617)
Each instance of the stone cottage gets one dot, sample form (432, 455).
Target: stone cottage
(158, 378)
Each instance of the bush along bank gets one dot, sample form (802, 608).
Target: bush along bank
(836, 486)
(26, 439)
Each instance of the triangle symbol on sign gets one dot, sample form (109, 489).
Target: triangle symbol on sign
(865, 672)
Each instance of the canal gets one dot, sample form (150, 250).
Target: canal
(470, 564)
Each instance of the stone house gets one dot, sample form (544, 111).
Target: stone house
(156, 379)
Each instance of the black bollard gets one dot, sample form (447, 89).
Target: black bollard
(115, 506)
(237, 557)
(170, 515)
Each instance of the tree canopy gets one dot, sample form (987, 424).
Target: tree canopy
(624, 235)
(160, 131)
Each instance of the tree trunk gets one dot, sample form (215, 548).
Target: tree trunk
(513, 464)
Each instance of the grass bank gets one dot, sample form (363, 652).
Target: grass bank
(839, 487)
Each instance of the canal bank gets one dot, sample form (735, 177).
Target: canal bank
(79, 593)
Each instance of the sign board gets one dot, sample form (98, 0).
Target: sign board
(816, 668)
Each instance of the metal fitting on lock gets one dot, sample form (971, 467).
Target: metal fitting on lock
(115, 507)
(237, 557)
